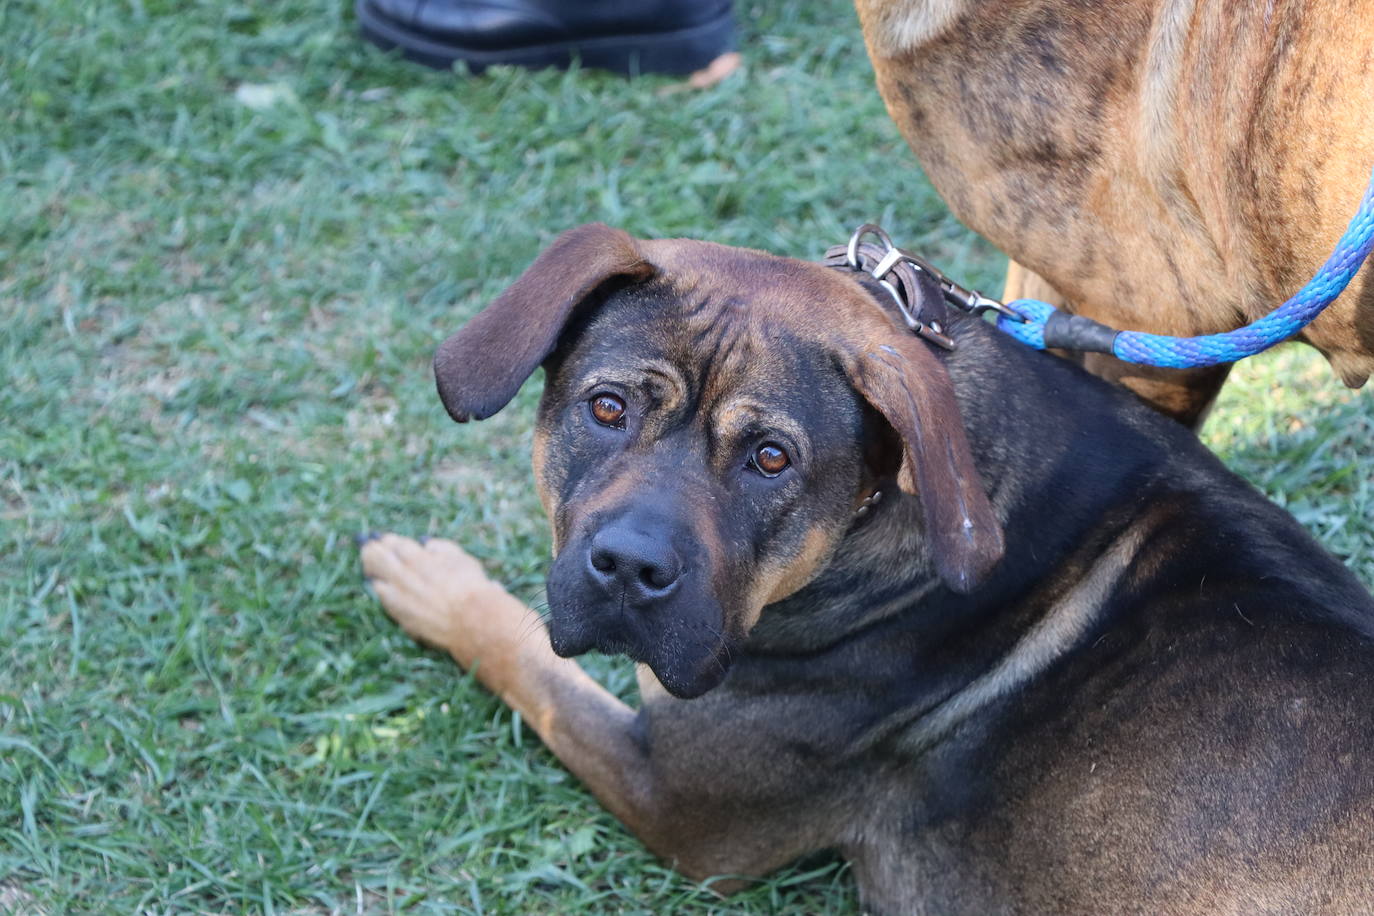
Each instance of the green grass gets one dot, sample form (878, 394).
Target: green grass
(217, 322)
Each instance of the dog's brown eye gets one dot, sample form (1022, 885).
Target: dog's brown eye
(608, 409)
(770, 459)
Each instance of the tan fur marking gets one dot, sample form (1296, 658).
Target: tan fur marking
(1160, 87)
(736, 415)
(615, 489)
(668, 384)
(775, 582)
(539, 454)
(897, 27)
(1051, 637)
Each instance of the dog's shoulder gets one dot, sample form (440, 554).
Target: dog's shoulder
(1107, 468)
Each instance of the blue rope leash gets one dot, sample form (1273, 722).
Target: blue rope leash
(1077, 333)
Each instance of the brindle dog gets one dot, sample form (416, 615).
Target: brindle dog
(1174, 166)
(1152, 699)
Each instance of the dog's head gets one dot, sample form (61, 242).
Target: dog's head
(712, 418)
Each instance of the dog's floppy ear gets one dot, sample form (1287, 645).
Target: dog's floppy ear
(480, 368)
(905, 382)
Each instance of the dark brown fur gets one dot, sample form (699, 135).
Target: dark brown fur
(1159, 165)
(1155, 702)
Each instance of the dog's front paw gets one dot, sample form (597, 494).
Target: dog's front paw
(438, 594)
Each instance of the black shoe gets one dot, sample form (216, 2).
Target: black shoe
(628, 36)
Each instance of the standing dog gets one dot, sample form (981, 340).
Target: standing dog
(1174, 166)
(1066, 663)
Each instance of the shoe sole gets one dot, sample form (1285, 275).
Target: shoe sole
(679, 51)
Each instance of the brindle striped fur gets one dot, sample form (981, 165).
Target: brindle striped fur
(1173, 166)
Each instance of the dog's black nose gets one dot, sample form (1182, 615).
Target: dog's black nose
(647, 567)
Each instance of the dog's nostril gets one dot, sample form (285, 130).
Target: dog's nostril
(602, 561)
(656, 578)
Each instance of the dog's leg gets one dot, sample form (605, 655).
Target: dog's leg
(1184, 394)
(1022, 283)
(440, 596)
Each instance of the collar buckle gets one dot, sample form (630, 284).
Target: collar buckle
(919, 289)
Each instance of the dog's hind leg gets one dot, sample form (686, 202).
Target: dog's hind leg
(440, 596)
(1184, 394)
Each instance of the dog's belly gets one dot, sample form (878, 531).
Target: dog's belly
(1174, 167)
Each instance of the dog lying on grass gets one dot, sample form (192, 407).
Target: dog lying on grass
(1003, 637)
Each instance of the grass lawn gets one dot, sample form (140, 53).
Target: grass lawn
(230, 237)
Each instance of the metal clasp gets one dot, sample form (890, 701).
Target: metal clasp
(975, 303)
(961, 297)
(892, 256)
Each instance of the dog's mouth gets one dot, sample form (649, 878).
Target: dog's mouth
(688, 678)
(682, 641)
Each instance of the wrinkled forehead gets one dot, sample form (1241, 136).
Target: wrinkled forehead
(806, 298)
(698, 348)
(720, 325)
